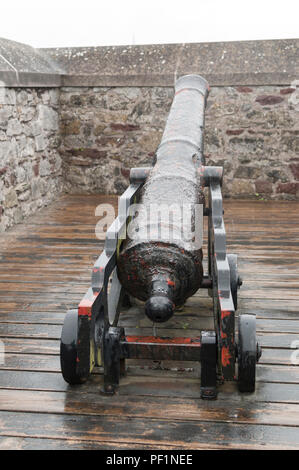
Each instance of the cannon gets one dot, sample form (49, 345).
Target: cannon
(153, 252)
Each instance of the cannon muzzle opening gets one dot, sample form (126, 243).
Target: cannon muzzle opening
(159, 308)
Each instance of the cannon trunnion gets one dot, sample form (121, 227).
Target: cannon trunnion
(153, 252)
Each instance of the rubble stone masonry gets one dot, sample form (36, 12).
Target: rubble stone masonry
(30, 164)
(77, 119)
(253, 132)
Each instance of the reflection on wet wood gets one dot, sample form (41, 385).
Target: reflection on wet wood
(45, 268)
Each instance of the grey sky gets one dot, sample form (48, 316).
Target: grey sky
(54, 23)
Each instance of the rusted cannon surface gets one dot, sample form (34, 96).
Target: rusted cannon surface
(161, 265)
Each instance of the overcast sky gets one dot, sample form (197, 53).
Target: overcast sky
(54, 23)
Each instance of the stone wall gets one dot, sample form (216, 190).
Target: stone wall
(30, 165)
(252, 131)
(77, 119)
(106, 131)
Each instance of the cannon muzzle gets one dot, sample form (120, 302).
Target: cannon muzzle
(159, 309)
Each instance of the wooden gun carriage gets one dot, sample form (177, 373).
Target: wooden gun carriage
(164, 271)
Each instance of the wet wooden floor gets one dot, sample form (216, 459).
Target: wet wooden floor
(45, 268)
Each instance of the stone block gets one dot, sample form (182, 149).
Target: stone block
(14, 127)
(47, 117)
(264, 187)
(11, 199)
(40, 143)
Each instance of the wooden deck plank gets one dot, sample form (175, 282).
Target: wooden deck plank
(52, 332)
(93, 404)
(283, 373)
(184, 435)
(36, 346)
(33, 443)
(153, 384)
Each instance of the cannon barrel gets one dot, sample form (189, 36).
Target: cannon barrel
(159, 262)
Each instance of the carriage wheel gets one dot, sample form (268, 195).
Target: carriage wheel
(68, 349)
(249, 353)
